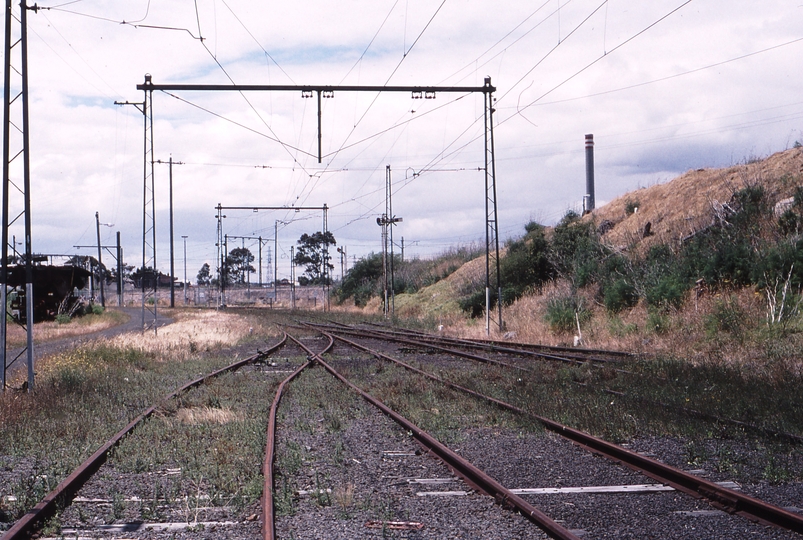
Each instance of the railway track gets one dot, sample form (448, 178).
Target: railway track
(728, 500)
(335, 467)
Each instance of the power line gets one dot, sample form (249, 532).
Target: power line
(404, 56)
(604, 55)
(676, 75)
(234, 122)
(252, 37)
(500, 40)
(393, 7)
(553, 49)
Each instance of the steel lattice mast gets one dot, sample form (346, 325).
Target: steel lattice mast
(15, 114)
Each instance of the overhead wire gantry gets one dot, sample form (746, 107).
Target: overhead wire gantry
(491, 220)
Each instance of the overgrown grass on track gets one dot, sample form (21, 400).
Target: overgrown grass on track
(85, 395)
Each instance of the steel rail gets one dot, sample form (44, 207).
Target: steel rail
(572, 358)
(390, 336)
(64, 492)
(528, 346)
(728, 500)
(268, 515)
(453, 352)
(462, 467)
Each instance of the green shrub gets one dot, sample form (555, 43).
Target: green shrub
(563, 312)
(751, 204)
(781, 261)
(474, 303)
(575, 251)
(788, 223)
(731, 264)
(727, 317)
(97, 309)
(361, 280)
(620, 295)
(668, 292)
(526, 264)
(657, 322)
(631, 206)
(63, 318)
(798, 198)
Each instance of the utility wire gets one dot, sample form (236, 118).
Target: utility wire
(255, 40)
(604, 55)
(271, 137)
(676, 75)
(553, 49)
(404, 56)
(393, 7)
(519, 109)
(284, 145)
(500, 40)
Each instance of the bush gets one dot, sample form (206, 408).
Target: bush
(668, 292)
(361, 280)
(731, 264)
(631, 206)
(474, 304)
(727, 317)
(575, 251)
(788, 223)
(63, 318)
(620, 295)
(563, 312)
(782, 261)
(657, 322)
(750, 205)
(526, 264)
(97, 309)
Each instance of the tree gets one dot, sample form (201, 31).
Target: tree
(362, 280)
(237, 264)
(310, 254)
(204, 276)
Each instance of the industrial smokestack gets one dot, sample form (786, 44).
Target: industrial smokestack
(588, 200)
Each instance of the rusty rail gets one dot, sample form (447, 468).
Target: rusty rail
(268, 517)
(67, 488)
(579, 352)
(453, 352)
(464, 468)
(720, 497)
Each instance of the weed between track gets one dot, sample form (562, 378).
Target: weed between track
(85, 395)
(214, 435)
(579, 396)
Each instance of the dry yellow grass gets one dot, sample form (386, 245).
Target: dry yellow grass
(207, 415)
(685, 205)
(193, 330)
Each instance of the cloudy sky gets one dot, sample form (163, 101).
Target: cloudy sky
(665, 86)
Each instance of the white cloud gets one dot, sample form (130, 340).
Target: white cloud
(87, 152)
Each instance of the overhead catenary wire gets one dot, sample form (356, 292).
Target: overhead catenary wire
(604, 55)
(673, 76)
(393, 72)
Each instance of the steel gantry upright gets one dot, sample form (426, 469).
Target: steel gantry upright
(491, 220)
(329, 91)
(149, 275)
(16, 178)
(387, 221)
